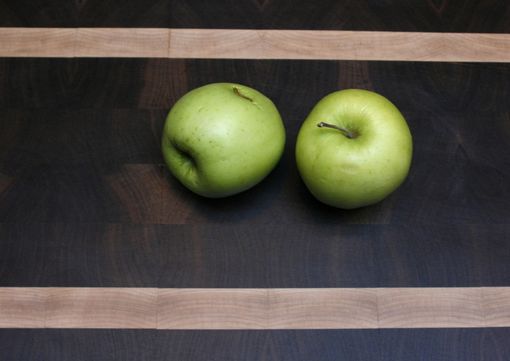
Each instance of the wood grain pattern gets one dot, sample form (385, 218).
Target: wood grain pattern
(28, 42)
(212, 309)
(497, 310)
(129, 43)
(263, 309)
(338, 45)
(85, 193)
(101, 308)
(85, 200)
(390, 15)
(447, 95)
(22, 307)
(322, 308)
(267, 309)
(85, 13)
(5, 181)
(457, 112)
(129, 182)
(466, 344)
(147, 186)
(92, 254)
(450, 307)
(254, 44)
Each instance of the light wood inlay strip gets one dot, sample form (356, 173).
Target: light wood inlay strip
(310, 308)
(101, 308)
(497, 306)
(122, 43)
(254, 44)
(37, 42)
(212, 309)
(339, 45)
(267, 308)
(322, 308)
(429, 307)
(22, 307)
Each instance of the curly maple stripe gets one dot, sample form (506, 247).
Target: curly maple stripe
(254, 44)
(310, 308)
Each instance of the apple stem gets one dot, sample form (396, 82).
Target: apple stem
(347, 133)
(238, 92)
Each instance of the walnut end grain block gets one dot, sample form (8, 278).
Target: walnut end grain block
(5, 182)
(123, 43)
(22, 307)
(146, 181)
(430, 307)
(101, 308)
(37, 42)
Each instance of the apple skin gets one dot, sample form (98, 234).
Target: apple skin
(354, 172)
(222, 138)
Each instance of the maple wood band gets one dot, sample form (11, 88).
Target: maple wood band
(310, 308)
(254, 44)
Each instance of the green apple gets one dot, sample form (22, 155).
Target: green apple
(353, 149)
(222, 138)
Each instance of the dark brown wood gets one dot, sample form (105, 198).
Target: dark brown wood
(82, 345)
(85, 199)
(82, 142)
(417, 15)
(331, 345)
(85, 13)
(79, 254)
(92, 255)
(393, 15)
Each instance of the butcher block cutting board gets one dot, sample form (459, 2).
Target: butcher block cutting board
(105, 256)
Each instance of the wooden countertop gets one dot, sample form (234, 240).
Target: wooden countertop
(104, 256)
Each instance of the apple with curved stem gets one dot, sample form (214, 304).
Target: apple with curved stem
(222, 138)
(353, 149)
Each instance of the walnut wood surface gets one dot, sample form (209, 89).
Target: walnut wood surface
(85, 201)
(91, 255)
(82, 142)
(390, 15)
(254, 345)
